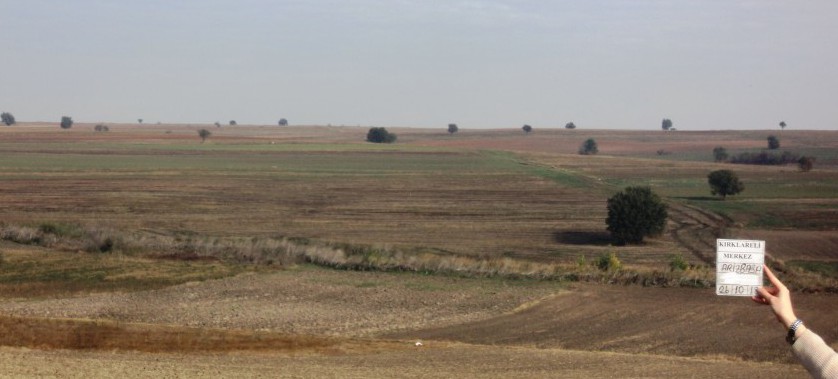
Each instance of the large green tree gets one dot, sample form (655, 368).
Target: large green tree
(724, 183)
(634, 214)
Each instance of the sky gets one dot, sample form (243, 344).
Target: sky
(603, 64)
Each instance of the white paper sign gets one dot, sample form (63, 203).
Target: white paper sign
(739, 267)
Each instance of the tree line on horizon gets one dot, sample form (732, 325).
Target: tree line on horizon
(666, 124)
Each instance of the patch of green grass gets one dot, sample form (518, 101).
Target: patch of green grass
(773, 214)
(827, 269)
(563, 177)
(506, 161)
(365, 162)
(31, 271)
(61, 229)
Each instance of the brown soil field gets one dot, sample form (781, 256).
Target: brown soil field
(479, 193)
(509, 327)
(466, 361)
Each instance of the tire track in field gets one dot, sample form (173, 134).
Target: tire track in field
(696, 230)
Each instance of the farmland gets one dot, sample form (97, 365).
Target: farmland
(178, 213)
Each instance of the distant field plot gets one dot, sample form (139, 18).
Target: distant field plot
(415, 198)
(478, 193)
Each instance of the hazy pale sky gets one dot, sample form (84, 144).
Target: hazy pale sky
(705, 64)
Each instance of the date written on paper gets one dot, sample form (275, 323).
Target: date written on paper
(735, 290)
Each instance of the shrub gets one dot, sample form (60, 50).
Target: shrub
(582, 262)
(609, 262)
(527, 129)
(719, 154)
(7, 118)
(139, 121)
(233, 123)
(217, 124)
(765, 158)
(724, 183)
(380, 135)
(678, 263)
(283, 122)
(773, 143)
(589, 147)
(570, 125)
(635, 213)
(61, 229)
(101, 128)
(806, 163)
(663, 152)
(66, 122)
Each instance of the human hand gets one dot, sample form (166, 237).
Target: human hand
(778, 297)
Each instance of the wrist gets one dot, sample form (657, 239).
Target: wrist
(795, 330)
(788, 320)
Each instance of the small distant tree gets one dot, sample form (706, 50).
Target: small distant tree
(217, 124)
(773, 143)
(66, 122)
(570, 125)
(233, 123)
(101, 128)
(724, 183)
(634, 214)
(720, 154)
(7, 118)
(453, 128)
(588, 147)
(380, 135)
(139, 121)
(782, 125)
(666, 124)
(283, 122)
(204, 134)
(527, 129)
(806, 163)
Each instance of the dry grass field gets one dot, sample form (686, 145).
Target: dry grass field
(207, 257)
